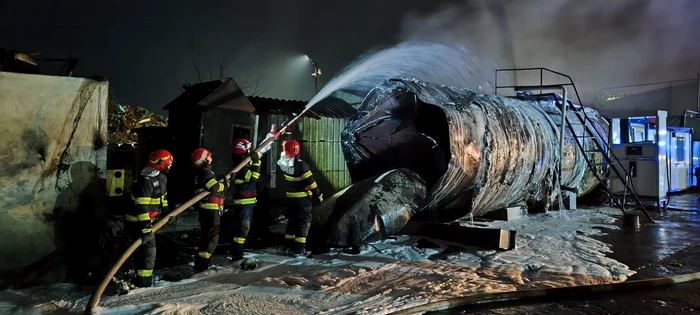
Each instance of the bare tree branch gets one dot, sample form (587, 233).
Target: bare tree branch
(222, 67)
(194, 60)
(245, 84)
(211, 75)
(262, 92)
(252, 90)
(255, 89)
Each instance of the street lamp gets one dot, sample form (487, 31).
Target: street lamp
(316, 74)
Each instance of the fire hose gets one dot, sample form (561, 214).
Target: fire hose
(201, 193)
(547, 293)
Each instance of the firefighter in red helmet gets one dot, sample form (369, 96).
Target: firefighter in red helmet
(302, 190)
(245, 196)
(210, 207)
(149, 192)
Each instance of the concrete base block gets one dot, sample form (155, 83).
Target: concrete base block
(569, 201)
(507, 214)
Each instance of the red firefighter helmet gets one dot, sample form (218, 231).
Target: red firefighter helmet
(160, 159)
(291, 148)
(241, 146)
(199, 157)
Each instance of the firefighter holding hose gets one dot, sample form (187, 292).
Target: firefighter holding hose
(302, 190)
(245, 196)
(210, 207)
(149, 193)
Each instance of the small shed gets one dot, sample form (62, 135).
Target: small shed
(318, 132)
(209, 114)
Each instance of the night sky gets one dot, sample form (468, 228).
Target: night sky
(146, 50)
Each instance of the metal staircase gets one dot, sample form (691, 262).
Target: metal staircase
(610, 164)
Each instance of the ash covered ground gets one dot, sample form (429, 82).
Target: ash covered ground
(553, 250)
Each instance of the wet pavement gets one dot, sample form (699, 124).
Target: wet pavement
(671, 246)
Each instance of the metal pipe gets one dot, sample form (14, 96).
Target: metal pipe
(542, 87)
(624, 195)
(316, 75)
(316, 78)
(255, 128)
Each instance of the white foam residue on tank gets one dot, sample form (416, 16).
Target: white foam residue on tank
(382, 176)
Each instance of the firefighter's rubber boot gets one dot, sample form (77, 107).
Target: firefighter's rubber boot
(299, 250)
(236, 252)
(201, 264)
(143, 282)
(288, 244)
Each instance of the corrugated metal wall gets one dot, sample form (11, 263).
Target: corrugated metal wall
(320, 142)
(320, 147)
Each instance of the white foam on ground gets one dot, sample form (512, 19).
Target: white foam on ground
(553, 250)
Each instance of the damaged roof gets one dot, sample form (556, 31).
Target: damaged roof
(224, 93)
(227, 94)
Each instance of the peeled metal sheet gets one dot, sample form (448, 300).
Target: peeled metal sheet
(371, 209)
(476, 152)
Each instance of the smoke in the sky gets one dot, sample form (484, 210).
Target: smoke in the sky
(600, 43)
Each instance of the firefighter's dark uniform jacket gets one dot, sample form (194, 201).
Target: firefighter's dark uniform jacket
(210, 208)
(149, 193)
(246, 180)
(301, 188)
(300, 181)
(206, 178)
(245, 196)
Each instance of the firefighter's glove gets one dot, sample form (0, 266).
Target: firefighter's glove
(226, 183)
(271, 135)
(254, 157)
(317, 201)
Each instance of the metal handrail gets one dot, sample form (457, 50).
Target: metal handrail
(601, 144)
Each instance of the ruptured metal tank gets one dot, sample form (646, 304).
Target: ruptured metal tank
(475, 152)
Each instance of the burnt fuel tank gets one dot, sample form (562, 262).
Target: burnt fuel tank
(476, 152)
(371, 209)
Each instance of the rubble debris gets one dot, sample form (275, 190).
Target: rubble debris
(13, 60)
(124, 118)
(476, 152)
(121, 285)
(249, 264)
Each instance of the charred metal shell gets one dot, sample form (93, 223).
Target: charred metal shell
(370, 209)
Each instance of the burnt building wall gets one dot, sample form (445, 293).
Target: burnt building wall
(52, 165)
